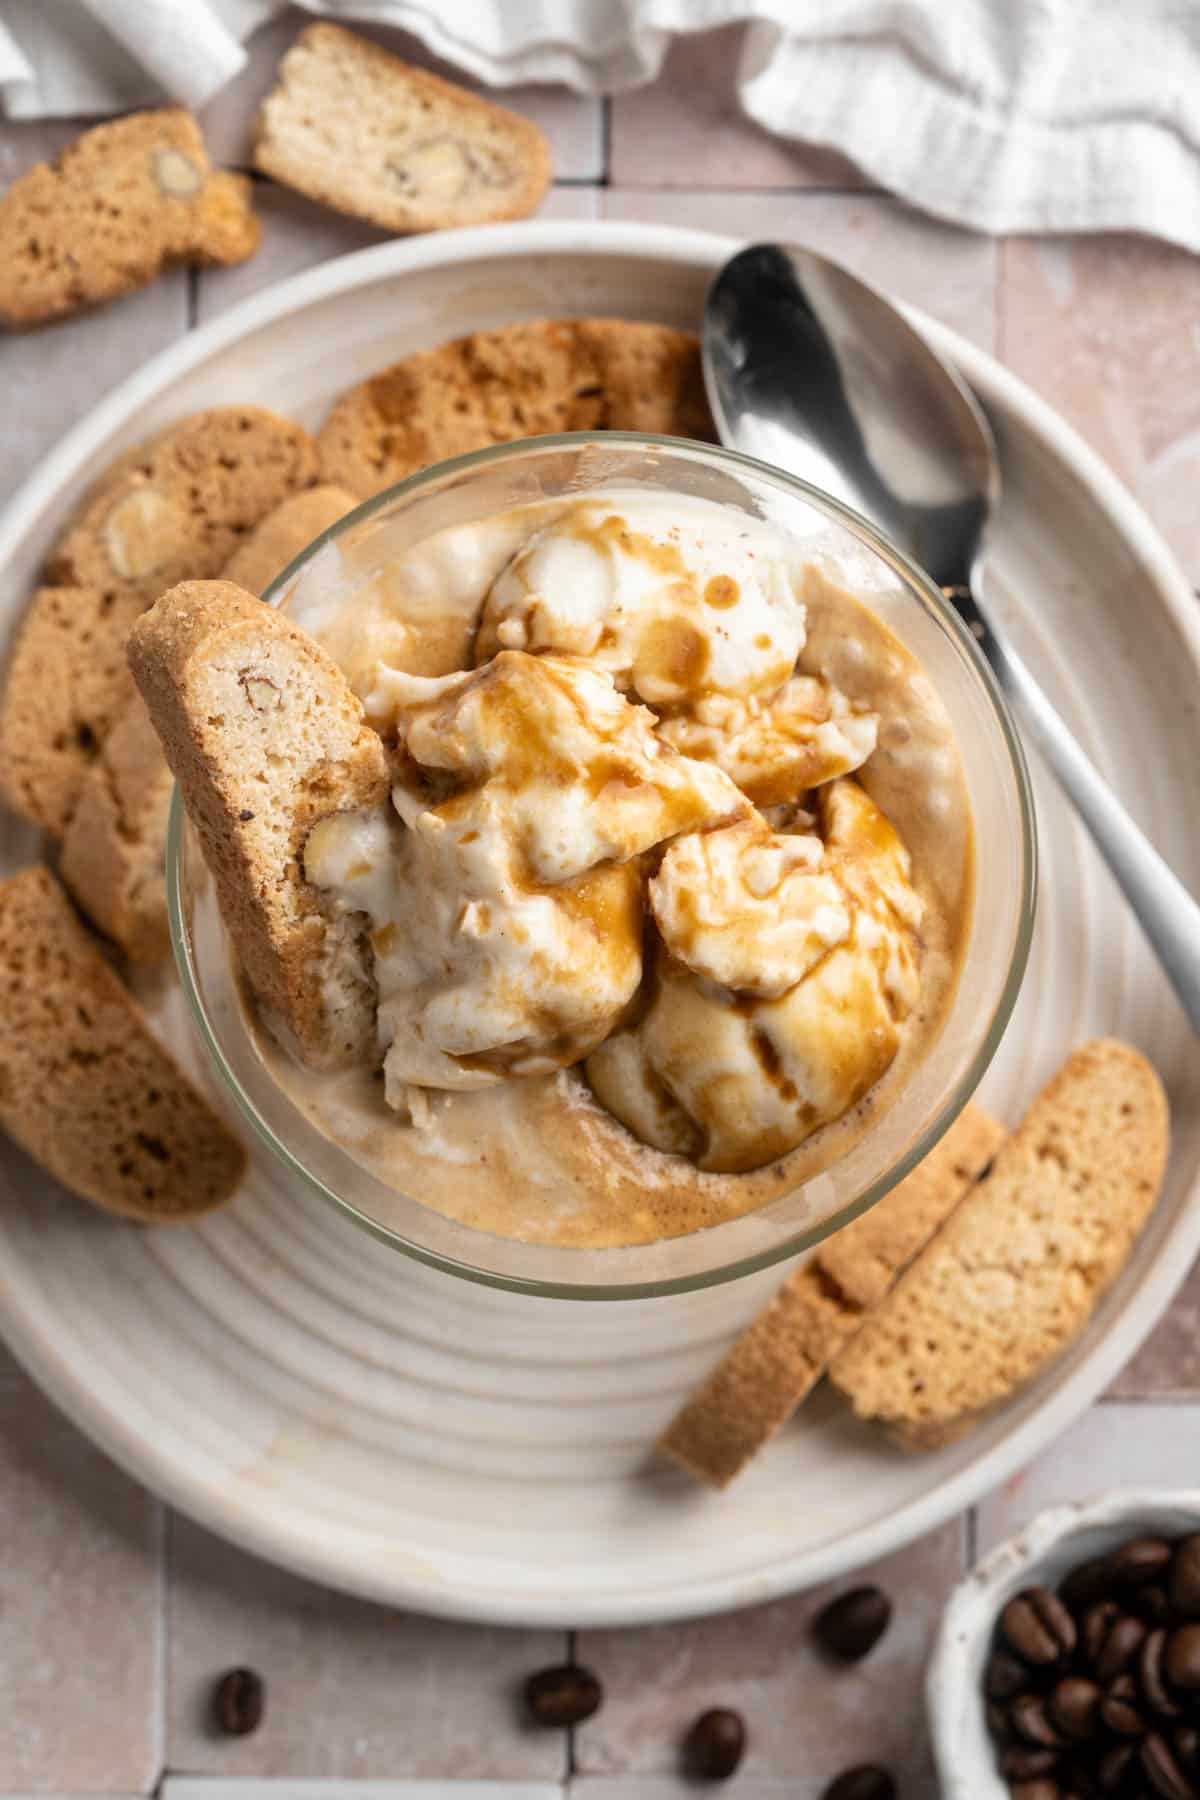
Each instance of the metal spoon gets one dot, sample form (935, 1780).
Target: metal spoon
(810, 369)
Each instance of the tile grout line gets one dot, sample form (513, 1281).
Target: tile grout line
(572, 1761)
(1158, 1399)
(782, 192)
(158, 1698)
(605, 141)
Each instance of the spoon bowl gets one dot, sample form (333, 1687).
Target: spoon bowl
(810, 369)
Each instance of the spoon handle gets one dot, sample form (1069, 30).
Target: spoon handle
(1168, 914)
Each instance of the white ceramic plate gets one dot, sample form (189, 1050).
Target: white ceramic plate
(294, 1385)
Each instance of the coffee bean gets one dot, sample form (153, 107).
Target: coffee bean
(867, 1781)
(715, 1745)
(1181, 1658)
(1021, 1762)
(563, 1695)
(1038, 1627)
(1116, 1767)
(1185, 1741)
(1030, 1719)
(1139, 1560)
(1094, 1626)
(1004, 1676)
(997, 1720)
(1151, 1675)
(1125, 1638)
(1035, 1790)
(1074, 1707)
(1184, 1582)
(237, 1702)
(1162, 1770)
(1151, 1604)
(1083, 1586)
(850, 1626)
(1120, 1710)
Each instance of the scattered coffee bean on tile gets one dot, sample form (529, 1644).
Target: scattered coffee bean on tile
(715, 1745)
(851, 1625)
(237, 1703)
(563, 1695)
(1093, 1691)
(865, 1782)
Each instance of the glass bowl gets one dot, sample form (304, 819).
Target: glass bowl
(473, 487)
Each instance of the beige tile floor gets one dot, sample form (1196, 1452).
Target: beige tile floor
(113, 1620)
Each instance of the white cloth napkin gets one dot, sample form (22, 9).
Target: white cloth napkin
(1007, 115)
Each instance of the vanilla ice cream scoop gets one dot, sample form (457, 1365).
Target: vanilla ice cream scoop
(675, 599)
(585, 776)
(787, 967)
(776, 746)
(502, 889)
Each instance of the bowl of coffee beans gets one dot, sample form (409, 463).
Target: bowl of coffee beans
(1067, 1665)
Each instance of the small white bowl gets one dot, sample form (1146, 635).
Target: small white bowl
(1039, 1555)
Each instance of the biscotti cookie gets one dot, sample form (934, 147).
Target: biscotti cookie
(542, 375)
(1012, 1278)
(113, 851)
(114, 846)
(355, 128)
(283, 534)
(179, 508)
(265, 738)
(66, 682)
(121, 203)
(85, 1086)
(782, 1354)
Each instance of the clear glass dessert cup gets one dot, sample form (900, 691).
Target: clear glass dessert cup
(477, 486)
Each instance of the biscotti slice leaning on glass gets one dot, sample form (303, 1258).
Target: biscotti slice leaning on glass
(265, 738)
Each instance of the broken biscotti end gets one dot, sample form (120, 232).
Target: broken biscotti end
(122, 203)
(265, 737)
